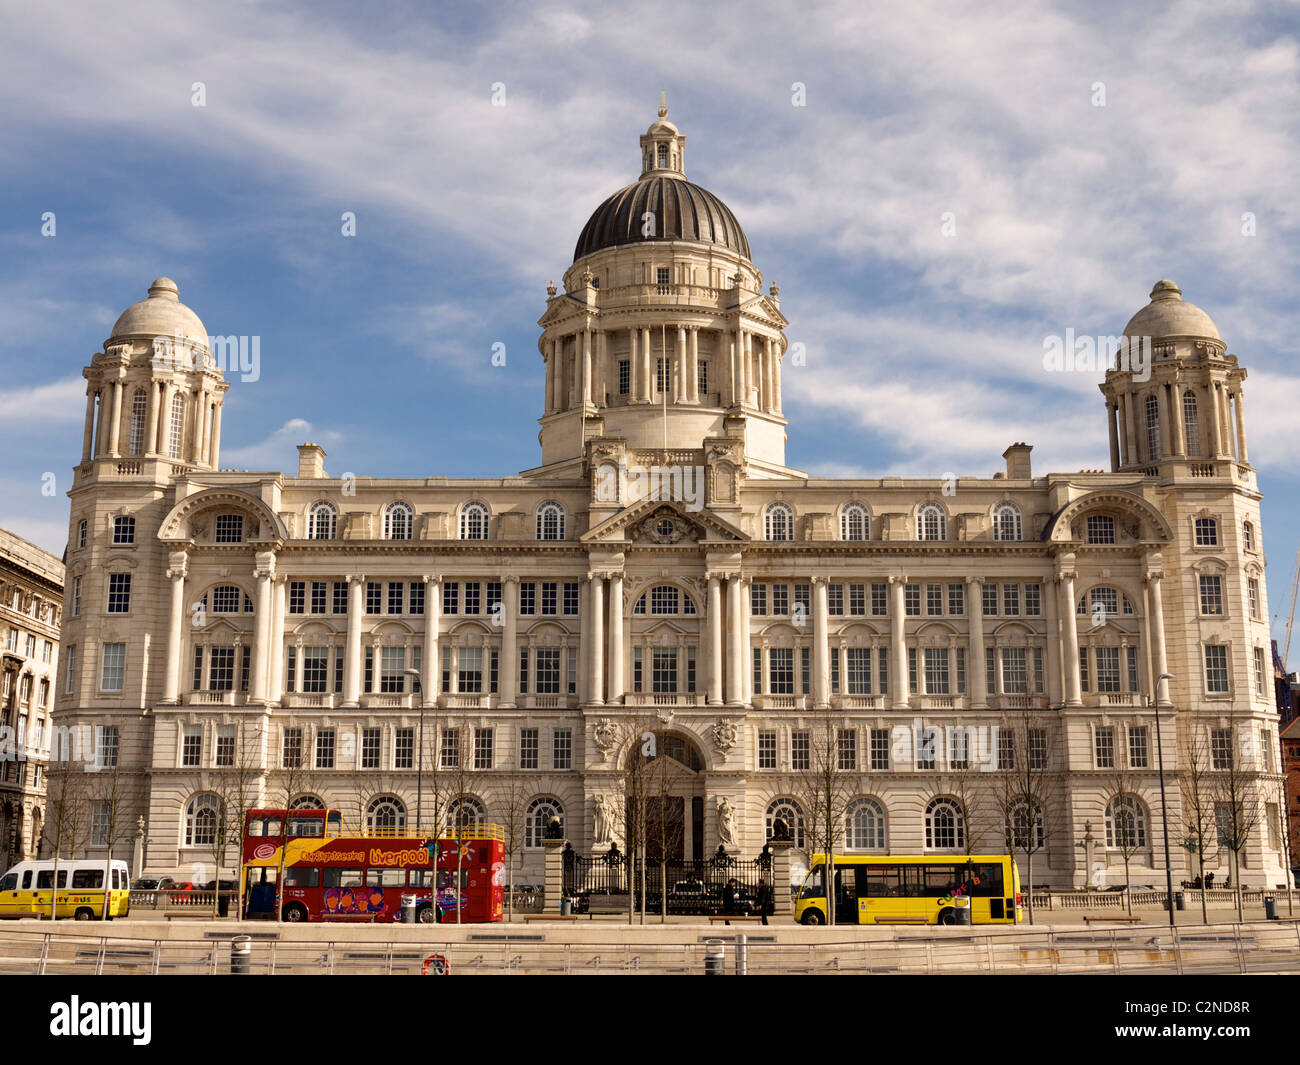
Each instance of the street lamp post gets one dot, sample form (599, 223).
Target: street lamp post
(1164, 809)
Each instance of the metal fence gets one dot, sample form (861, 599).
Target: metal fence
(1256, 948)
(681, 886)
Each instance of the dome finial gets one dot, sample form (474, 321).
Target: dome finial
(663, 104)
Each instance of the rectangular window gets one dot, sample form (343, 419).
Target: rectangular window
(989, 599)
(781, 670)
(1252, 590)
(374, 597)
(229, 529)
(1011, 600)
(936, 671)
(835, 671)
(1207, 532)
(958, 748)
(1216, 669)
(315, 669)
(1006, 749)
(1132, 669)
(1038, 748)
(882, 670)
(528, 745)
(1107, 669)
(912, 682)
(523, 669)
(956, 600)
(113, 672)
(835, 600)
(296, 593)
(846, 747)
(961, 671)
(766, 749)
(879, 600)
(70, 669)
(106, 752)
(225, 754)
(1221, 748)
(325, 749)
(571, 598)
(451, 597)
(548, 671)
(663, 669)
(527, 598)
(473, 603)
(990, 671)
(340, 595)
(291, 749)
(1014, 679)
(1104, 747)
(880, 748)
(76, 597)
(702, 377)
(859, 670)
(1259, 671)
(291, 669)
(624, 376)
(415, 597)
(1033, 600)
(758, 599)
(469, 670)
(661, 369)
(192, 745)
(101, 815)
(758, 671)
(1212, 595)
(934, 600)
(221, 669)
(548, 598)
(925, 748)
(404, 748)
(449, 753)
(119, 593)
(370, 748)
(1083, 668)
(780, 600)
(124, 530)
(1137, 747)
(912, 600)
(1101, 529)
(562, 749)
(396, 590)
(857, 600)
(805, 670)
(318, 596)
(482, 748)
(800, 750)
(392, 666)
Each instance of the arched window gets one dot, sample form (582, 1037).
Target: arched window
(789, 811)
(864, 826)
(1153, 428)
(778, 522)
(945, 828)
(539, 812)
(386, 816)
(1191, 424)
(931, 523)
(225, 599)
(550, 522)
(1017, 826)
(398, 519)
(307, 802)
(855, 523)
(139, 403)
(1126, 824)
(664, 600)
(1248, 536)
(1006, 522)
(1105, 602)
(201, 817)
(465, 814)
(322, 521)
(474, 522)
(1207, 532)
(176, 426)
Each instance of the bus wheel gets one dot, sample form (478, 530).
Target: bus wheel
(426, 915)
(83, 914)
(294, 913)
(948, 916)
(812, 917)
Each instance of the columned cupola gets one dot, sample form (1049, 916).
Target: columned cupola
(154, 394)
(1174, 403)
(662, 336)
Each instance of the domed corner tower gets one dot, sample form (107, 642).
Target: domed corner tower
(1174, 404)
(662, 337)
(154, 395)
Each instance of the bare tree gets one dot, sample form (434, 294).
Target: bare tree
(294, 779)
(1199, 834)
(824, 789)
(67, 808)
(1239, 805)
(109, 798)
(236, 781)
(1125, 830)
(512, 791)
(1022, 786)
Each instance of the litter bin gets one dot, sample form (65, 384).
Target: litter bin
(1180, 903)
(1270, 907)
(241, 955)
(223, 904)
(961, 910)
(566, 907)
(713, 957)
(408, 909)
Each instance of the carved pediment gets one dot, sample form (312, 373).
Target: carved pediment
(656, 521)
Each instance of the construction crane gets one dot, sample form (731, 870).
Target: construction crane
(1290, 615)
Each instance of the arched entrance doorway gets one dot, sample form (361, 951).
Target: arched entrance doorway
(665, 797)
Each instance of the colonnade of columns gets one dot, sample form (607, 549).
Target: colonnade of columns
(1216, 430)
(111, 429)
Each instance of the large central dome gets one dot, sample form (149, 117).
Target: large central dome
(680, 210)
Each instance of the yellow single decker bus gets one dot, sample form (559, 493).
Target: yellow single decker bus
(27, 889)
(892, 889)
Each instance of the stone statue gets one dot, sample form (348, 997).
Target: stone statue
(726, 822)
(604, 827)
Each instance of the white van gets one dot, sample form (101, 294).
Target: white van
(26, 890)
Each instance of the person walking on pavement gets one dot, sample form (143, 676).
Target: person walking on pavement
(763, 899)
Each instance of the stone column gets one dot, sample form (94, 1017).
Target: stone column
(115, 422)
(693, 373)
(151, 421)
(682, 390)
(1237, 401)
(634, 365)
(431, 661)
(264, 570)
(843, 652)
(1216, 422)
(776, 376)
(214, 458)
(648, 365)
(616, 682)
(1159, 663)
(1070, 640)
(746, 641)
(600, 386)
(898, 643)
(821, 649)
(509, 682)
(1000, 685)
(1166, 427)
(765, 668)
(275, 689)
(715, 640)
(1131, 450)
(196, 434)
(164, 419)
(978, 673)
(352, 653)
(1054, 683)
(735, 630)
(586, 367)
(596, 647)
(178, 567)
(86, 442)
(1225, 421)
(1176, 426)
(742, 394)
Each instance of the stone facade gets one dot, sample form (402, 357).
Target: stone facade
(31, 605)
(664, 574)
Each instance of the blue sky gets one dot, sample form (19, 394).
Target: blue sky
(924, 350)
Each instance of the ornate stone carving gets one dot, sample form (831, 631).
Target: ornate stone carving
(605, 733)
(724, 736)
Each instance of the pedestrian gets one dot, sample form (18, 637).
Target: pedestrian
(763, 899)
(729, 899)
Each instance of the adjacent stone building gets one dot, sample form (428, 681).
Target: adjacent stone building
(663, 574)
(31, 603)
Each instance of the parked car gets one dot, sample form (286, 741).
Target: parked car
(175, 887)
(220, 885)
(151, 883)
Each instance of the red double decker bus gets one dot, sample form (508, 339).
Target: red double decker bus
(313, 869)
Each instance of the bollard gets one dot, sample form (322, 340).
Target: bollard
(566, 907)
(1180, 903)
(961, 910)
(241, 955)
(713, 959)
(408, 909)
(742, 954)
(1270, 907)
